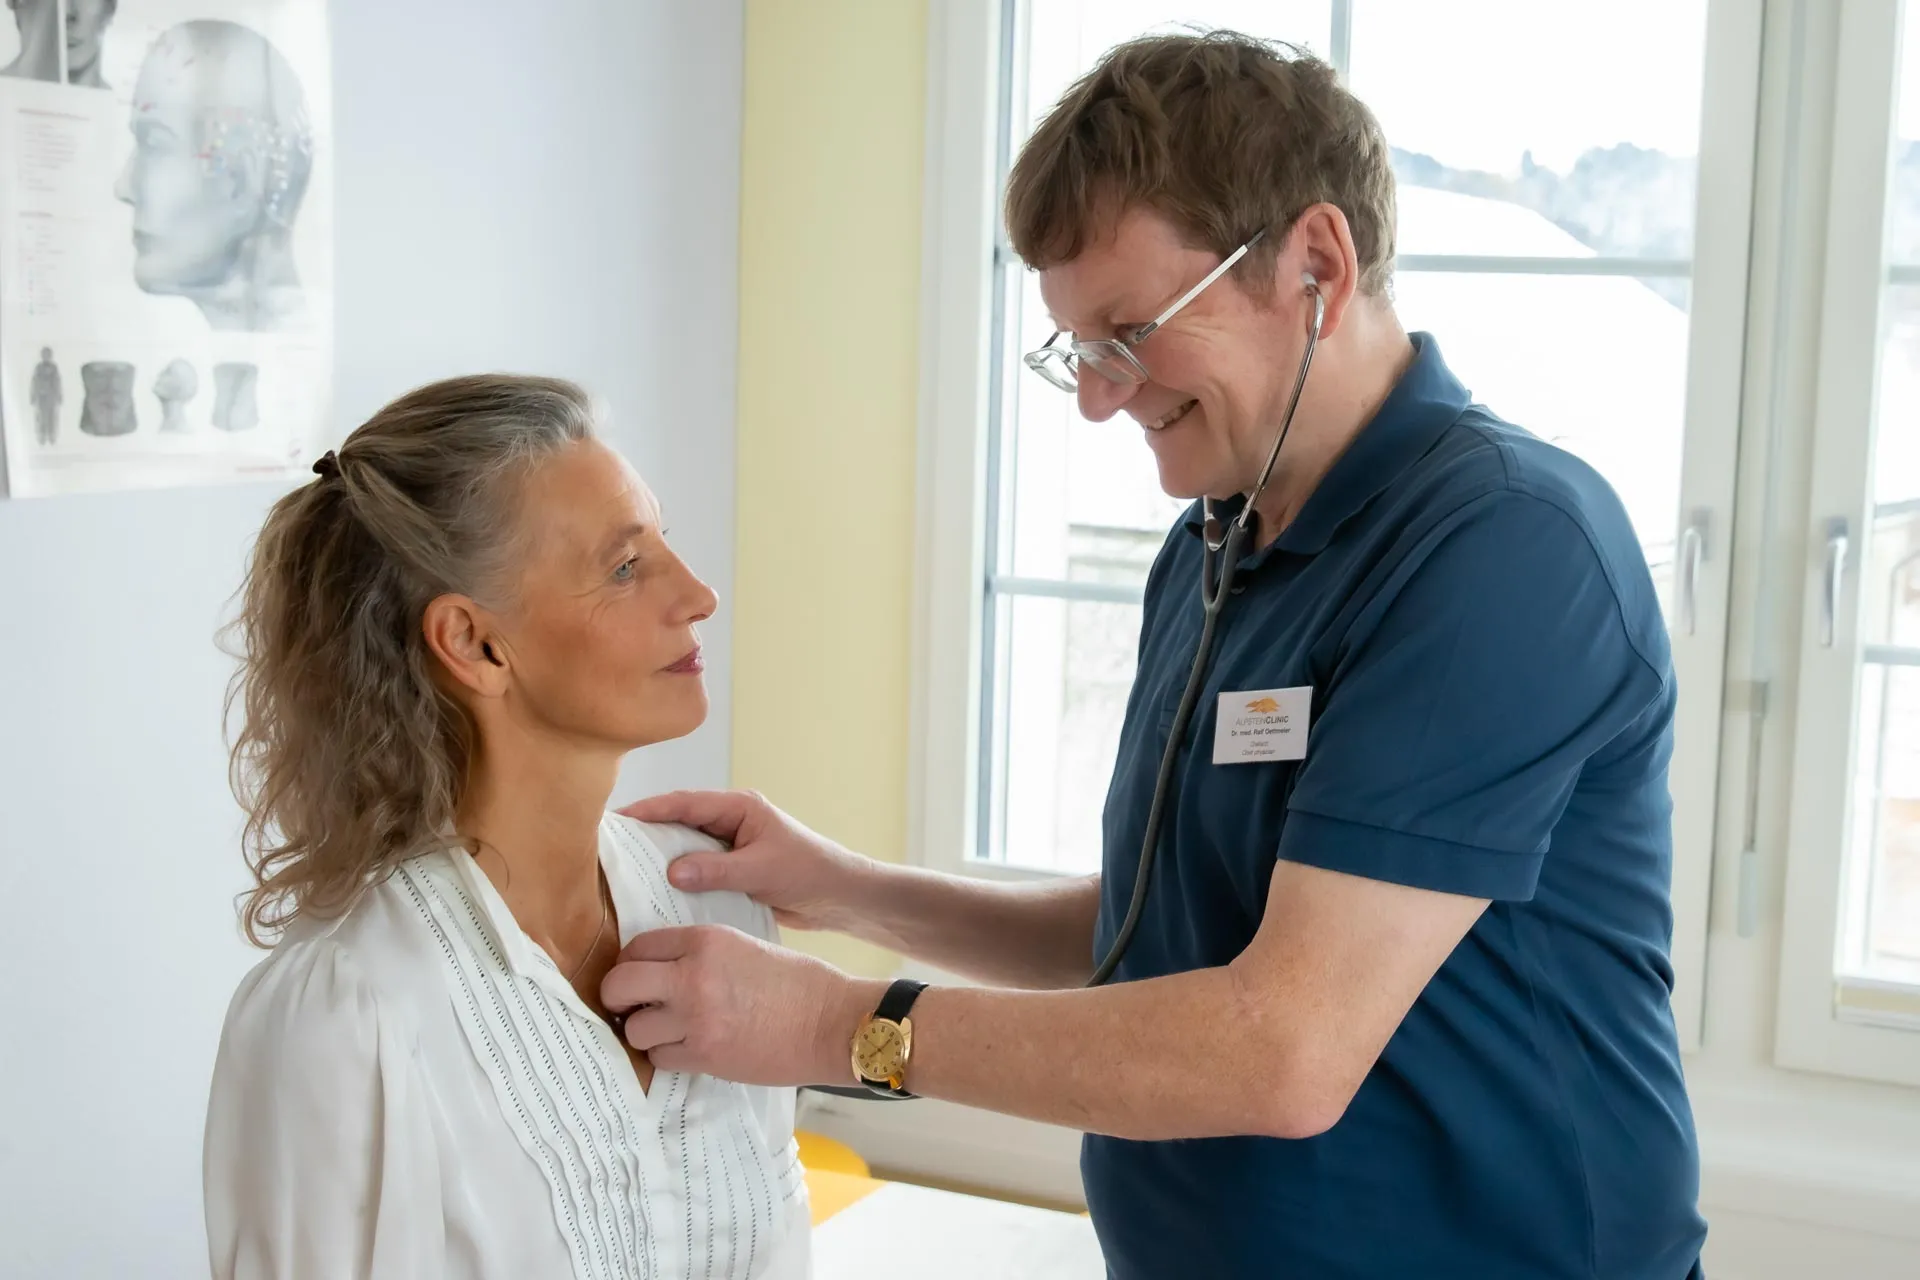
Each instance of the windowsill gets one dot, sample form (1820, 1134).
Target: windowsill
(1877, 1002)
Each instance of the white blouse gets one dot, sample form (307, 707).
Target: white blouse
(415, 1090)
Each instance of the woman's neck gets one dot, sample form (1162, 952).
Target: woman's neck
(535, 815)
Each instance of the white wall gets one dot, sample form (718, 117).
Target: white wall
(546, 187)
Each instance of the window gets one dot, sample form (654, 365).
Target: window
(1850, 979)
(1551, 250)
(1586, 263)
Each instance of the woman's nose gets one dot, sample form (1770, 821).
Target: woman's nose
(698, 600)
(1100, 397)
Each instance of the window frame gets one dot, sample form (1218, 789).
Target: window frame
(1816, 1028)
(972, 61)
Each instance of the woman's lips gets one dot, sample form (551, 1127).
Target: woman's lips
(691, 665)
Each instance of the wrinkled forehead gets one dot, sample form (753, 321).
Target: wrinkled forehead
(585, 501)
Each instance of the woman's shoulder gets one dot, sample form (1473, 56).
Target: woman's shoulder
(358, 967)
(310, 1005)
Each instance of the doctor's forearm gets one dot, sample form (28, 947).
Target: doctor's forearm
(1036, 935)
(1194, 1055)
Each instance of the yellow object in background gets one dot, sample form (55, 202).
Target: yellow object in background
(836, 1175)
(822, 1154)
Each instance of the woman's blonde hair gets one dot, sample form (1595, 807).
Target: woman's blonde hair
(350, 756)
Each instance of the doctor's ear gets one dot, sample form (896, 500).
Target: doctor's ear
(459, 634)
(1321, 262)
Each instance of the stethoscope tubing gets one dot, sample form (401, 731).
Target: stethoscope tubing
(1230, 545)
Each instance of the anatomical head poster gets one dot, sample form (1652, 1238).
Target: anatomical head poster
(166, 241)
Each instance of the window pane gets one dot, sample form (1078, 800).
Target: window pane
(1069, 664)
(1880, 934)
(1883, 899)
(1586, 117)
(1903, 222)
(1594, 364)
(1880, 928)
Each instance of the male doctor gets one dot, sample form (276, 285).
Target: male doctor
(1398, 1001)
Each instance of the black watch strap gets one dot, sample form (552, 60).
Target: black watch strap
(900, 996)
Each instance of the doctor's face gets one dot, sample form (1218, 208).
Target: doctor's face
(1220, 371)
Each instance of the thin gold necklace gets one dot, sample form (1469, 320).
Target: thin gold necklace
(606, 911)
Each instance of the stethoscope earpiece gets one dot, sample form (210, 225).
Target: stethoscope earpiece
(1319, 303)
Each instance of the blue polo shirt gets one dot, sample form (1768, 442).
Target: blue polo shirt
(1492, 715)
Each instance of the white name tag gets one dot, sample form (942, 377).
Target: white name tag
(1264, 724)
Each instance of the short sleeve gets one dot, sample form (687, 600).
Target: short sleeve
(1468, 701)
(319, 1159)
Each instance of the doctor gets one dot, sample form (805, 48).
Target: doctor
(1397, 1002)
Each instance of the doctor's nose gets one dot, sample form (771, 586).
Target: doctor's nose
(1100, 397)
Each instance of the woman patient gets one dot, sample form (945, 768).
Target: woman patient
(451, 637)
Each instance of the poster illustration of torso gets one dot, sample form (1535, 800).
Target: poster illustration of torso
(166, 241)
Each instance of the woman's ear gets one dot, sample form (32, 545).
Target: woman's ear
(459, 634)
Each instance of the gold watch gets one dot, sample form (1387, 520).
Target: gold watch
(883, 1044)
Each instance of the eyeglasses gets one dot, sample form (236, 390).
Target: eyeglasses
(1113, 358)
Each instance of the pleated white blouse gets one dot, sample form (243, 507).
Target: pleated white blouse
(414, 1090)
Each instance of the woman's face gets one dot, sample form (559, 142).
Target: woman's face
(600, 639)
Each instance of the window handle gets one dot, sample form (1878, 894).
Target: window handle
(1693, 551)
(1835, 571)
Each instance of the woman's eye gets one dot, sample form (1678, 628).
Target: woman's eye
(626, 570)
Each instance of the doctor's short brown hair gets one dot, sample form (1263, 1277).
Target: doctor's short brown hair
(1219, 133)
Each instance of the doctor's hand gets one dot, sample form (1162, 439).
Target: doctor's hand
(807, 879)
(711, 999)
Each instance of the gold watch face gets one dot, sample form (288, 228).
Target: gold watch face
(880, 1050)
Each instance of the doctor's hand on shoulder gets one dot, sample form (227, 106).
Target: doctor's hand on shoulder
(806, 879)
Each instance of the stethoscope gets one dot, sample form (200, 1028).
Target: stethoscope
(1229, 544)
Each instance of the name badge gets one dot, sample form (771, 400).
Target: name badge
(1264, 724)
